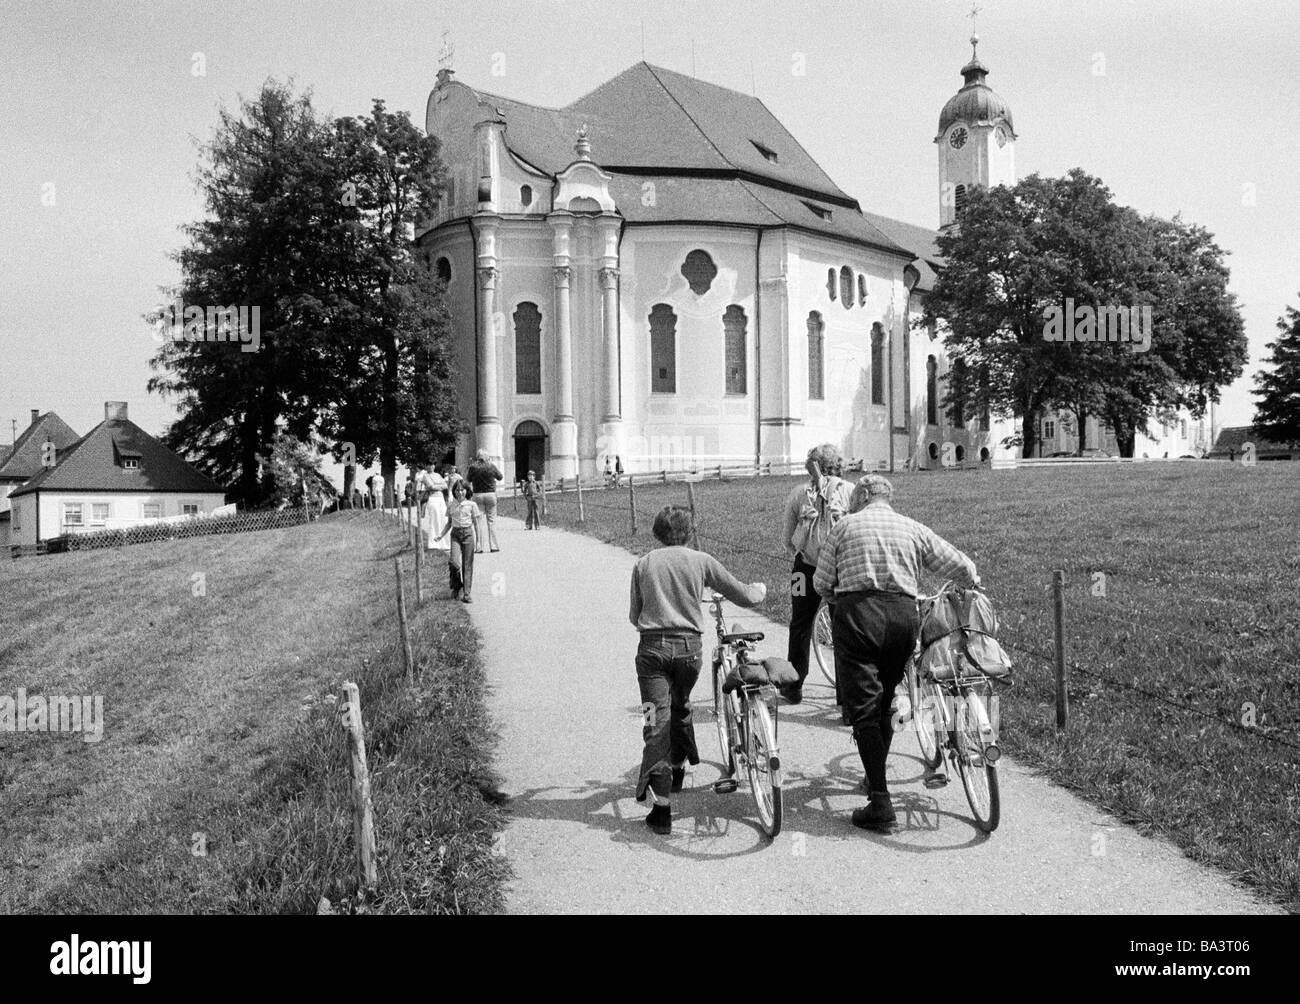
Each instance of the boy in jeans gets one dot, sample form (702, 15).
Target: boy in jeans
(668, 590)
(532, 492)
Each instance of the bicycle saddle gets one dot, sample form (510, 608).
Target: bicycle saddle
(727, 639)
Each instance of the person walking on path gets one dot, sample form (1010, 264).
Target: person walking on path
(431, 488)
(869, 569)
(483, 478)
(532, 495)
(811, 511)
(461, 517)
(668, 587)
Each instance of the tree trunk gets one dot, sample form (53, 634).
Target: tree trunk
(1081, 417)
(1028, 433)
(349, 480)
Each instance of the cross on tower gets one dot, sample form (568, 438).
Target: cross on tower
(446, 52)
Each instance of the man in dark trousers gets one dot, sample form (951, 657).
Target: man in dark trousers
(870, 568)
(483, 478)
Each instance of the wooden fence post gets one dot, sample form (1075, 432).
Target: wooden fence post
(542, 481)
(582, 512)
(363, 813)
(663, 476)
(401, 621)
(719, 472)
(631, 494)
(514, 497)
(690, 494)
(1062, 680)
(419, 562)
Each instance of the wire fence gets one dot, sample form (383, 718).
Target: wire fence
(780, 564)
(148, 533)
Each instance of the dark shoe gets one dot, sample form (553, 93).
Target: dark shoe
(679, 778)
(792, 694)
(660, 820)
(455, 594)
(878, 814)
(496, 550)
(466, 599)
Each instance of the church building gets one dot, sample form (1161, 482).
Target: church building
(660, 272)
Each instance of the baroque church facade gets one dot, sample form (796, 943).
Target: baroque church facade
(659, 272)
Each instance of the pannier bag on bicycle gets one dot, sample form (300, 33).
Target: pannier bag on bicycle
(777, 672)
(959, 629)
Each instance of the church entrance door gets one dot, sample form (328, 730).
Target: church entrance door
(530, 450)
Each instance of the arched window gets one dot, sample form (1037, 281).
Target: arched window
(816, 367)
(528, 349)
(663, 349)
(526, 195)
(831, 284)
(958, 410)
(444, 269)
(733, 327)
(959, 198)
(960, 452)
(699, 271)
(877, 364)
(932, 391)
(862, 289)
(984, 453)
(933, 450)
(846, 287)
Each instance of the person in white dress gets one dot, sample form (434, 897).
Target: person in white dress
(429, 487)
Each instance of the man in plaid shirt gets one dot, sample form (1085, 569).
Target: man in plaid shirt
(869, 569)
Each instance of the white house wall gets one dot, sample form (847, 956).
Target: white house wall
(126, 506)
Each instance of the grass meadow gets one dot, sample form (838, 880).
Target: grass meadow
(1182, 622)
(221, 783)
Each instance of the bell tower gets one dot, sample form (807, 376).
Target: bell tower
(976, 139)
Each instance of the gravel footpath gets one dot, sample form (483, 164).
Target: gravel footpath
(552, 611)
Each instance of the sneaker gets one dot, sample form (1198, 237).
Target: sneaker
(660, 820)
(679, 778)
(466, 599)
(878, 814)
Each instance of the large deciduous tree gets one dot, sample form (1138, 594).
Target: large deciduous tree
(1277, 412)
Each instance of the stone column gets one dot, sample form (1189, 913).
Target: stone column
(564, 430)
(611, 406)
(488, 428)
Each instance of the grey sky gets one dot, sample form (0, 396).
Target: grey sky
(1191, 114)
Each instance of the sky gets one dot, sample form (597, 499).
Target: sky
(1179, 107)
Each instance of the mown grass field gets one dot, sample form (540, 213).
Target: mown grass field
(1198, 629)
(219, 721)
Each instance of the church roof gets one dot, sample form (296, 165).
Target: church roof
(713, 154)
(92, 463)
(921, 241)
(976, 101)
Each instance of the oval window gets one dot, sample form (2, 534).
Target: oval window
(934, 451)
(444, 270)
(526, 195)
(699, 271)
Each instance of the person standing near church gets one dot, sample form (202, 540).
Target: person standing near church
(810, 513)
(483, 478)
(461, 517)
(431, 492)
(869, 569)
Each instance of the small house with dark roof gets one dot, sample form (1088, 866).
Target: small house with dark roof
(1232, 440)
(115, 476)
(38, 447)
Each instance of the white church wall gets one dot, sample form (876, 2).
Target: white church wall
(845, 415)
(699, 423)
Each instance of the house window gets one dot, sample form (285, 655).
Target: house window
(821, 212)
(1049, 429)
(99, 513)
(189, 508)
(72, 514)
(831, 284)
(1184, 423)
(862, 289)
(877, 364)
(816, 368)
(526, 195)
(846, 287)
(151, 510)
(663, 349)
(699, 271)
(444, 269)
(733, 327)
(768, 154)
(130, 463)
(528, 349)
(932, 391)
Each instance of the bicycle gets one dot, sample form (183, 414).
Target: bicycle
(958, 715)
(822, 645)
(746, 720)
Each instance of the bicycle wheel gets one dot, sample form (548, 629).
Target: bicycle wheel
(722, 719)
(927, 715)
(978, 775)
(763, 763)
(823, 649)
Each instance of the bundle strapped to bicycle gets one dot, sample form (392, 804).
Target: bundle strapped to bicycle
(958, 629)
